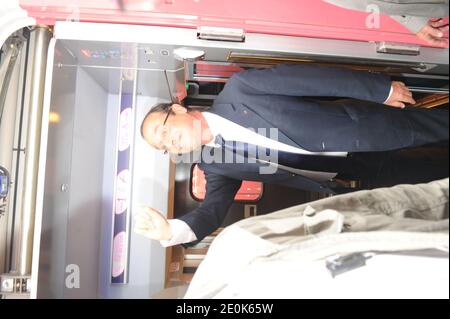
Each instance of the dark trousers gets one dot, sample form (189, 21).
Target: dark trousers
(429, 127)
(407, 166)
(426, 160)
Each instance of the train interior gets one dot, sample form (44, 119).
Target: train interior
(95, 169)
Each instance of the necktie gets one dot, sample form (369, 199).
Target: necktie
(309, 162)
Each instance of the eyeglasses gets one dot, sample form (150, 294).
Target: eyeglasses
(164, 123)
(167, 116)
(173, 102)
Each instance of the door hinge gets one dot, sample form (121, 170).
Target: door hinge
(398, 48)
(221, 34)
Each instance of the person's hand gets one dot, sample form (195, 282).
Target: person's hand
(152, 224)
(434, 32)
(400, 95)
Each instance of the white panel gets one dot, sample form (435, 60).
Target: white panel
(84, 220)
(57, 163)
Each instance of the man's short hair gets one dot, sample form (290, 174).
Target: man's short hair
(158, 108)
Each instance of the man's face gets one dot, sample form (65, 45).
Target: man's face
(181, 133)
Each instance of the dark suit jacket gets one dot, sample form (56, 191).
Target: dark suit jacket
(285, 97)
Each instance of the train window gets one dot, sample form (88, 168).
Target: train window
(249, 191)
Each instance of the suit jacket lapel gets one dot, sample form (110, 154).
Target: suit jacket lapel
(241, 167)
(246, 117)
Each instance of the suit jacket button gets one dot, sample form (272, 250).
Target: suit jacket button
(245, 112)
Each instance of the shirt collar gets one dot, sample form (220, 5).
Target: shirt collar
(211, 120)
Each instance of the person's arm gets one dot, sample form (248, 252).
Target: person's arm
(412, 23)
(417, 21)
(194, 226)
(313, 80)
(181, 233)
(170, 232)
(220, 193)
(431, 31)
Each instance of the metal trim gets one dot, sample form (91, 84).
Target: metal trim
(35, 112)
(41, 175)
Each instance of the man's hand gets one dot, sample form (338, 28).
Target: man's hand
(434, 32)
(152, 224)
(400, 95)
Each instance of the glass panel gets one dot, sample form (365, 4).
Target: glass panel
(249, 191)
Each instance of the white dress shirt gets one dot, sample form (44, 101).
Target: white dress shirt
(230, 131)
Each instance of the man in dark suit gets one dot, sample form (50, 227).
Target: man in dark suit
(314, 140)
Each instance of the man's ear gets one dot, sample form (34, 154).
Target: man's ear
(178, 109)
